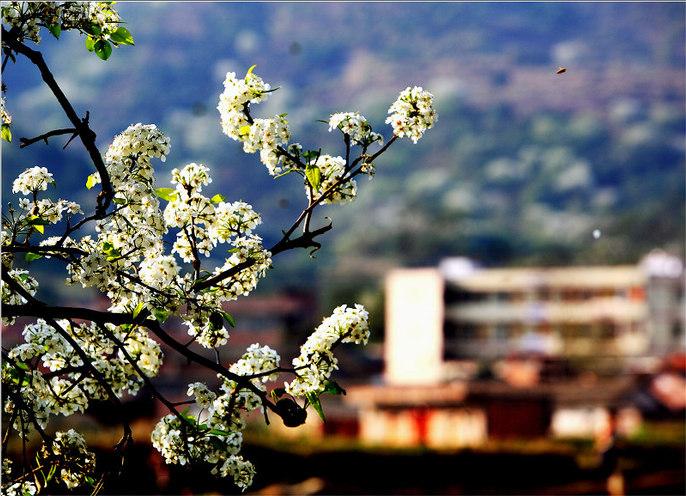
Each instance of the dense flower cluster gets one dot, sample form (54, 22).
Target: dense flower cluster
(26, 18)
(258, 135)
(316, 361)
(412, 113)
(71, 391)
(69, 452)
(62, 365)
(257, 360)
(216, 439)
(333, 181)
(32, 180)
(356, 126)
(25, 488)
(10, 297)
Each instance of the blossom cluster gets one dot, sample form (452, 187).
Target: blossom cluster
(128, 259)
(412, 113)
(257, 135)
(333, 183)
(355, 126)
(216, 438)
(25, 488)
(20, 488)
(70, 453)
(32, 180)
(316, 361)
(11, 297)
(26, 18)
(71, 391)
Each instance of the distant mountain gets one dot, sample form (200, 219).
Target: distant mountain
(522, 166)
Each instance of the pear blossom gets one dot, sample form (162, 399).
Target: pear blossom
(412, 113)
(32, 180)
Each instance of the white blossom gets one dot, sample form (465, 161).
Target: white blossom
(203, 396)
(316, 361)
(412, 113)
(332, 171)
(257, 360)
(32, 180)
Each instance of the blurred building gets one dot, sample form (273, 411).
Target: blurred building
(462, 311)
(473, 353)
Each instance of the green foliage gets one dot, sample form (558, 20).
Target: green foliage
(166, 193)
(138, 309)
(92, 180)
(56, 30)
(6, 133)
(122, 36)
(30, 256)
(102, 49)
(229, 318)
(160, 314)
(313, 400)
(314, 176)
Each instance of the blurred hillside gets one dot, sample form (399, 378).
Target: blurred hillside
(522, 166)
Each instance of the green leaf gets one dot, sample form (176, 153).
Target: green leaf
(92, 29)
(35, 220)
(103, 49)
(90, 43)
(122, 36)
(119, 201)
(314, 176)
(89, 480)
(56, 30)
(313, 399)
(111, 252)
(160, 315)
(217, 198)
(30, 256)
(244, 130)
(228, 318)
(40, 228)
(168, 194)
(219, 432)
(332, 387)
(249, 73)
(138, 309)
(6, 133)
(92, 180)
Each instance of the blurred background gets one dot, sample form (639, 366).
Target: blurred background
(522, 264)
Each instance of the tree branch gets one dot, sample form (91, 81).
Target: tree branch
(44, 137)
(85, 132)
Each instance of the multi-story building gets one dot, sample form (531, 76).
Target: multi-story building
(608, 314)
(523, 327)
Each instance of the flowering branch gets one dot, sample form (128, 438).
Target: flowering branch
(81, 125)
(102, 355)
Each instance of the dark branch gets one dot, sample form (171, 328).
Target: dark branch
(44, 137)
(85, 132)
